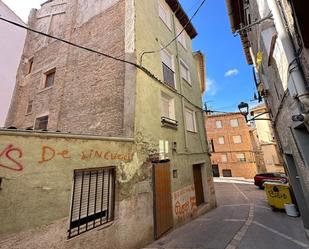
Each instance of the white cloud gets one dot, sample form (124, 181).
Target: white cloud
(211, 87)
(231, 72)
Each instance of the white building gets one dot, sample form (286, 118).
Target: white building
(11, 47)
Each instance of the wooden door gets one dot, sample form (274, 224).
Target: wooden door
(163, 214)
(198, 184)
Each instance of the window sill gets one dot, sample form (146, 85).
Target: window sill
(194, 132)
(28, 114)
(45, 89)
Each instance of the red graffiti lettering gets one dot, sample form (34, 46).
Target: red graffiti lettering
(48, 154)
(7, 153)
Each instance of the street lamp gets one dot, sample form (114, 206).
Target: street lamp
(244, 110)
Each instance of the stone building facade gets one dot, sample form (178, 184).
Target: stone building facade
(82, 117)
(265, 140)
(233, 153)
(278, 49)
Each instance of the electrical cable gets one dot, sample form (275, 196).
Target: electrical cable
(183, 29)
(68, 42)
(145, 70)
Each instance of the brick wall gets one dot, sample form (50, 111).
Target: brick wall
(88, 92)
(238, 168)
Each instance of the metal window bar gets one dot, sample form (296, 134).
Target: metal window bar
(168, 75)
(92, 203)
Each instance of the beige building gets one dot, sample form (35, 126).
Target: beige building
(265, 139)
(11, 47)
(117, 155)
(232, 151)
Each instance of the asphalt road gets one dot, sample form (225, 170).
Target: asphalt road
(242, 220)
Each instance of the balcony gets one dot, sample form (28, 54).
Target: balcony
(168, 76)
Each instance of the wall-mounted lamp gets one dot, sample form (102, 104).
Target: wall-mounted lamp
(244, 110)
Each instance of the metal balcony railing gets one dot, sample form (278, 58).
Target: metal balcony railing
(168, 76)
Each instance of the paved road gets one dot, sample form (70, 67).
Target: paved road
(242, 220)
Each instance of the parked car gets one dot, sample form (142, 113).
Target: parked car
(259, 179)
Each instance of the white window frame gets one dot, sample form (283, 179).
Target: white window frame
(185, 65)
(181, 38)
(241, 157)
(193, 115)
(221, 140)
(171, 108)
(172, 62)
(233, 123)
(167, 20)
(236, 142)
(218, 122)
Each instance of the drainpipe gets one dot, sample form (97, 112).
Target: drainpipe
(180, 81)
(296, 79)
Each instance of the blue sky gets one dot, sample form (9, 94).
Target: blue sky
(223, 53)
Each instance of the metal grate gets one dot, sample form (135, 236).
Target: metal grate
(93, 199)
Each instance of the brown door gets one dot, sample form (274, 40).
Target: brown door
(198, 184)
(162, 198)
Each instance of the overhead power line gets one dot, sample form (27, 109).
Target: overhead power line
(184, 27)
(68, 42)
(143, 69)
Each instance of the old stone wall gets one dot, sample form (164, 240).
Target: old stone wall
(36, 190)
(88, 92)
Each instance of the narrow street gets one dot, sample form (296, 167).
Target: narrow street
(242, 220)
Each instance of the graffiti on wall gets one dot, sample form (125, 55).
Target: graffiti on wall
(184, 202)
(9, 158)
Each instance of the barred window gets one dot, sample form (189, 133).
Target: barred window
(93, 199)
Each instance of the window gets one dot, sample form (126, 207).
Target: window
(182, 37)
(164, 14)
(167, 63)
(30, 64)
(218, 124)
(234, 122)
(93, 199)
(223, 158)
(163, 149)
(237, 139)
(221, 140)
(49, 78)
(29, 107)
(41, 123)
(167, 106)
(241, 157)
(184, 71)
(168, 111)
(190, 120)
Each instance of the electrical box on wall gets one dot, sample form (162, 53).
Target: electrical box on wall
(174, 146)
